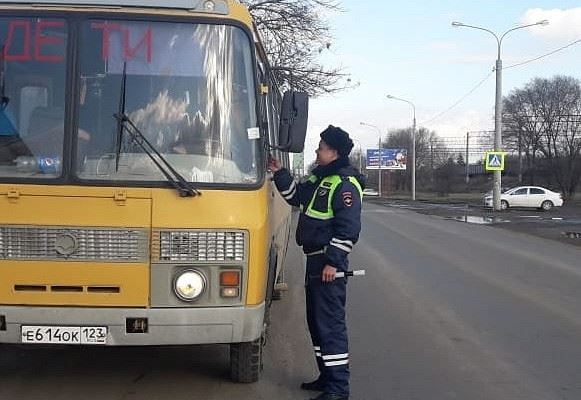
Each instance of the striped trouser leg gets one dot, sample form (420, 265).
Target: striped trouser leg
(328, 301)
(314, 332)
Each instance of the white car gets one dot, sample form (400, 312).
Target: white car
(370, 192)
(527, 196)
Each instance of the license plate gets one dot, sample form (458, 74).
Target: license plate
(65, 334)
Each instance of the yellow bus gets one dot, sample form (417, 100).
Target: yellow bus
(135, 204)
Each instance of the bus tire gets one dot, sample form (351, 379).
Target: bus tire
(246, 361)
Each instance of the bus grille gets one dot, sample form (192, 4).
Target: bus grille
(74, 244)
(198, 246)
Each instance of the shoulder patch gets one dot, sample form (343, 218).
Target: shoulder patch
(347, 199)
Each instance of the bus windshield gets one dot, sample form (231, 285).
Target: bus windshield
(189, 89)
(33, 64)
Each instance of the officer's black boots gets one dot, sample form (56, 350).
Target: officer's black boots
(330, 396)
(315, 386)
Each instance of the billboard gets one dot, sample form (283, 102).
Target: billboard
(390, 159)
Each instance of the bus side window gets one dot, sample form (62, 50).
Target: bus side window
(31, 97)
(273, 119)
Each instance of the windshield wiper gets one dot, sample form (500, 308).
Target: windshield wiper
(3, 98)
(125, 124)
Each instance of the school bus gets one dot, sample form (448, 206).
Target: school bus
(135, 204)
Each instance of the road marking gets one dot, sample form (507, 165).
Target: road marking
(378, 212)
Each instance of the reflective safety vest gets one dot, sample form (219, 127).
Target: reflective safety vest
(320, 206)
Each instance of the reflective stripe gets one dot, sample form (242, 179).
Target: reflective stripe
(317, 351)
(290, 196)
(292, 187)
(345, 242)
(355, 183)
(335, 356)
(314, 253)
(334, 363)
(340, 246)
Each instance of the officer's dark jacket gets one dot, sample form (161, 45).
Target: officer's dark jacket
(338, 234)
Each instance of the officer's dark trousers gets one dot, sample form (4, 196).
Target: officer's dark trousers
(326, 319)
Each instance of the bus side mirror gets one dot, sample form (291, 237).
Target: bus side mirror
(293, 122)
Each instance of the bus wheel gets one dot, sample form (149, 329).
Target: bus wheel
(246, 361)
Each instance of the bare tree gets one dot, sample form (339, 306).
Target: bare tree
(294, 34)
(544, 121)
(357, 158)
(522, 133)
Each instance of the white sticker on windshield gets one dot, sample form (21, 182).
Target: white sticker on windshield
(253, 133)
(198, 175)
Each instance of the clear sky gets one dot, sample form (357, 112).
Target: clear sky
(410, 50)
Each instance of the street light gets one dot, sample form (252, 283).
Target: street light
(379, 146)
(498, 101)
(413, 143)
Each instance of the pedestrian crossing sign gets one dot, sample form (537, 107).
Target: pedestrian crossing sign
(495, 160)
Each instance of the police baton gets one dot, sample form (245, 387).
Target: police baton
(341, 274)
(357, 272)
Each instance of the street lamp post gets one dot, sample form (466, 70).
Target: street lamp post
(498, 101)
(413, 143)
(379, 147)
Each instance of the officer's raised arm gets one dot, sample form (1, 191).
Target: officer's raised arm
(286, 185)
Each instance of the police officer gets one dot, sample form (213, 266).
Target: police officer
(328, 227)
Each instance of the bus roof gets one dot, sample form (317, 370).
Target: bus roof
(210, 6)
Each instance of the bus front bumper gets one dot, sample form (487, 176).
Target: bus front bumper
(165, 326)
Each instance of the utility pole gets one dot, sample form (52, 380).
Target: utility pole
(380, 170)
(432, 160)
(519, 158)
(466, 160)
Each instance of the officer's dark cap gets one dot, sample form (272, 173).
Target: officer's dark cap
(337, 139)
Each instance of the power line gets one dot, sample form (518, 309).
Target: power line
(459, 101)
(490, 73)
(544, 55)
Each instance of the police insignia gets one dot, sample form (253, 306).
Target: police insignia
(348, 199)
(322, 192)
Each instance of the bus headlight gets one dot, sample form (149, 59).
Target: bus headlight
(189, 285)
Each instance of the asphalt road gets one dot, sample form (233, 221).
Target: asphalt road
(447, 310)
(561, 223)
